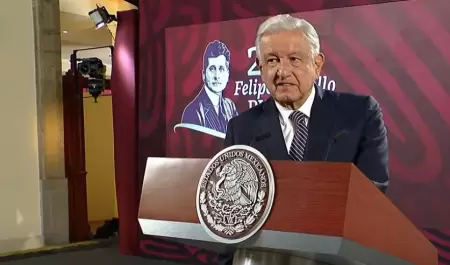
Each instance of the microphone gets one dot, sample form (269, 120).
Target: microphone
(259, 138)
(338, 135)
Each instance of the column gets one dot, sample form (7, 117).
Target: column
(55, 218)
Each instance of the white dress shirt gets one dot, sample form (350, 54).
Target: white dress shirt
(286, 124)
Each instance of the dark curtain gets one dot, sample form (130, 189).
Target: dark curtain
(124, 101)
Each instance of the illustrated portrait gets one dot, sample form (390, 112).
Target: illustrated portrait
(210, 109)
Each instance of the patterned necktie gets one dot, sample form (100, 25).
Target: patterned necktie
(298, 145)
(222, 117)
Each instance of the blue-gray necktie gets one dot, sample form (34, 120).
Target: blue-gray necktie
(298, 145)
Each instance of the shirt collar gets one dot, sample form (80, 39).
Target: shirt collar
(305, 108)
(213, 97)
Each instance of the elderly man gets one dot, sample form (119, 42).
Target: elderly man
(301, 121)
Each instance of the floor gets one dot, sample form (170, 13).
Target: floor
(103, 255)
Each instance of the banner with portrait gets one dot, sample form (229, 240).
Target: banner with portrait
(209, 86)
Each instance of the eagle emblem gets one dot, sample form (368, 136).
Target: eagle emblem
(238, 183)
(235, 194)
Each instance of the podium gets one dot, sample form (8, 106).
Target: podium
(323, 213)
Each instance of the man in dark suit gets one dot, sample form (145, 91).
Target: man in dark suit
(301, 121)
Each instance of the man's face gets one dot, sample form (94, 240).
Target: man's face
(287, 67)
(216, 74)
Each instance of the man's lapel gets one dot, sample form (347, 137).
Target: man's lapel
(320, 126)
(269, 124)
(212, 119)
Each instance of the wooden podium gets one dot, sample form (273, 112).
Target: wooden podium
(323, 213)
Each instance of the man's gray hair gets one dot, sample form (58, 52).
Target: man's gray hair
(280, 23)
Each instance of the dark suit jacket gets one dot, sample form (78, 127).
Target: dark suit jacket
(343, 127)
(201, 112)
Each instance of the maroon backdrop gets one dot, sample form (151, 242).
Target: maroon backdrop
(413, 91)
(381, 50)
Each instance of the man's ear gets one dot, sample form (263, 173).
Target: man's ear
(318, 62)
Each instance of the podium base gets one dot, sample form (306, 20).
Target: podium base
(257, 257)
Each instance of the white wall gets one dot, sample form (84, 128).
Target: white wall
(20, 200)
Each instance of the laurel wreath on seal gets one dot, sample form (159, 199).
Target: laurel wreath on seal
(230, 230)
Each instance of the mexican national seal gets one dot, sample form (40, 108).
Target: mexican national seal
(235, 194)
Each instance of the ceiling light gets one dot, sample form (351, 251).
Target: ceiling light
(65, 31)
